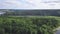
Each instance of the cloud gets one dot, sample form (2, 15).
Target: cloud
(16, 4)
(27, 4)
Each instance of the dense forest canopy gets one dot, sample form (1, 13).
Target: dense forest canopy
(28, 25)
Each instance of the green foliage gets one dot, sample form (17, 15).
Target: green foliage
(28, 25)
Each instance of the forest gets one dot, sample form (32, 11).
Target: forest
(29, 25)
(31, 12)
(29, 21)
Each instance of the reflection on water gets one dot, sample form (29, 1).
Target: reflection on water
(2, 12)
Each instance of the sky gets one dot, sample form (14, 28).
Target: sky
(29, 4)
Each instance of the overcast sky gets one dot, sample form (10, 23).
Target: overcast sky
(28, 4)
